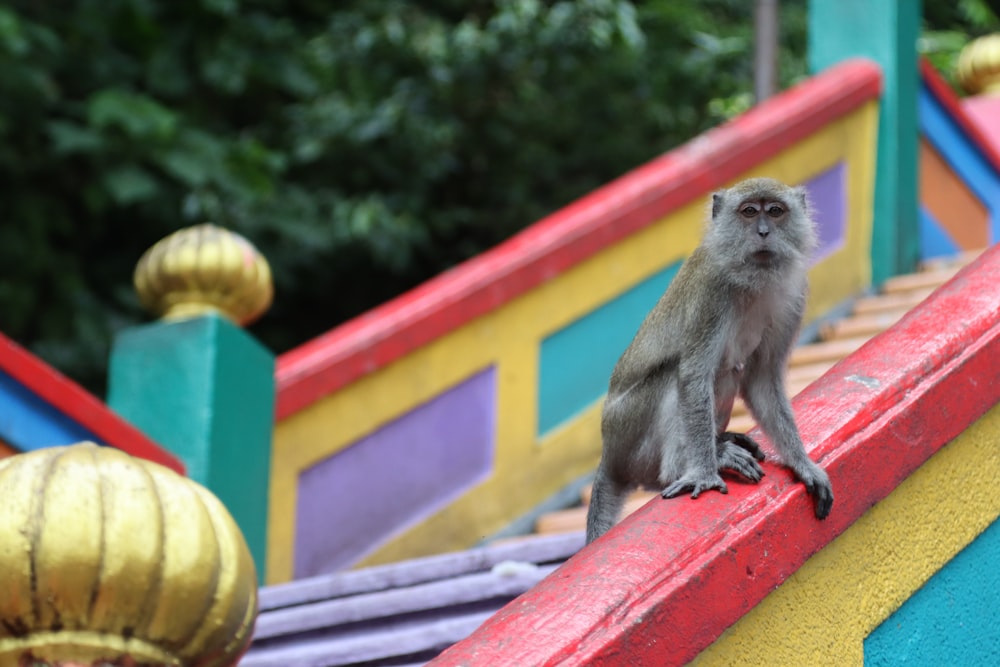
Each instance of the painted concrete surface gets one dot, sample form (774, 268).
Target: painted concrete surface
(828, 195)
(984, 111)
(395, 477)
(826, 610)
(952, 619)
(205, 388)
(31, 423)
(577, 360)
(948, 139)
(934, 240)
(40, 407)
(951, 206)
(884, 32)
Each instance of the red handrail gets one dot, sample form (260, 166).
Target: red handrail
(79, 405)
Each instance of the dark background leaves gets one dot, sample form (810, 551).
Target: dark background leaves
(363, 146)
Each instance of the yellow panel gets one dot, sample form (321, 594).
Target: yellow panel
(822, 614)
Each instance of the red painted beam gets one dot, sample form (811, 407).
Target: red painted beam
(944, 94)
(569, 236)
(79, 405)
(666, 582)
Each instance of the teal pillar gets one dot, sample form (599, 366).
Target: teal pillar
(885, 31)
(195, 382)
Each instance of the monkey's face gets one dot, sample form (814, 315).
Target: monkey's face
(762, 223)
(761, 218)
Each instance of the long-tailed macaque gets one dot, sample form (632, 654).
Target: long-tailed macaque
(725, 326)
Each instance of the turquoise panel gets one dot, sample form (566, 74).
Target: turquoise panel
(576, 361)
(204, 388)
(934, 240)
(952, 619)
(884, 32)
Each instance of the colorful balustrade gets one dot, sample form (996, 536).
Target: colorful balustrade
(433, 420)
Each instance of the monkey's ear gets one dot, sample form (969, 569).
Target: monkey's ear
(803, 194)
(716, 203)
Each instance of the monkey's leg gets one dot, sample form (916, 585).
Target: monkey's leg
(606, 500)
(764, 394)
(739, 453)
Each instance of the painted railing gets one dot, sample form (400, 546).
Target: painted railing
(904, 565)
(429, 422)
(43, 408)
(959, 174)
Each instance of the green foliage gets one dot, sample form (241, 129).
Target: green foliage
(362, 145)
(949, 26)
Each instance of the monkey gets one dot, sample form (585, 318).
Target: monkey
(724, 326)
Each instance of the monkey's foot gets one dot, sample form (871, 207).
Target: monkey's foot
(696, 484)
(739, 460)
(818, 485)
(741, 440)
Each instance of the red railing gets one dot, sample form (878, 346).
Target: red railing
(79, 405)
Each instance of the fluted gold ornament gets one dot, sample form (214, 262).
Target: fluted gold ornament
(204, 269)
(103, 556)
(978, 68)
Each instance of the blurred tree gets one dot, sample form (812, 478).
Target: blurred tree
(363, 145)
(948, 26)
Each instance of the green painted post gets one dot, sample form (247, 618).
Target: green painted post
(885, 31)
(196, 382)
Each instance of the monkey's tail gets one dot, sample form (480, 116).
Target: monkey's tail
(606, 500)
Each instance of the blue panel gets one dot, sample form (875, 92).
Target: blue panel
(576, 361)
(934, 240)
(27, 422)
(962, 156)
(952, 619)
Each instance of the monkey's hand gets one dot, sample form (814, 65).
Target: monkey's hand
(818, 485)
(695, 483)
(742, 440)
(738, 457)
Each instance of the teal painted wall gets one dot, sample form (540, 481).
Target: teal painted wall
(885, 31)
(204, 389)
(952, 619)
(577, 360)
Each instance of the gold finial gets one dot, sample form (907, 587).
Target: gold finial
(104, 556)
(978, 68)
(204, 269)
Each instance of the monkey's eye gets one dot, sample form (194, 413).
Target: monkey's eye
(775, 211)
(749, 210)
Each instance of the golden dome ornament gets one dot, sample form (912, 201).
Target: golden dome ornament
(204, 269)
(978, 68)
(105, 557)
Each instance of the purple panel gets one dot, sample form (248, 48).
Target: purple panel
(391, 479)
(828, 194)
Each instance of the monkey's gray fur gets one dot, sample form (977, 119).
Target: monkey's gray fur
(725, 326)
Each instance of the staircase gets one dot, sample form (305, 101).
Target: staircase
(404, 614)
